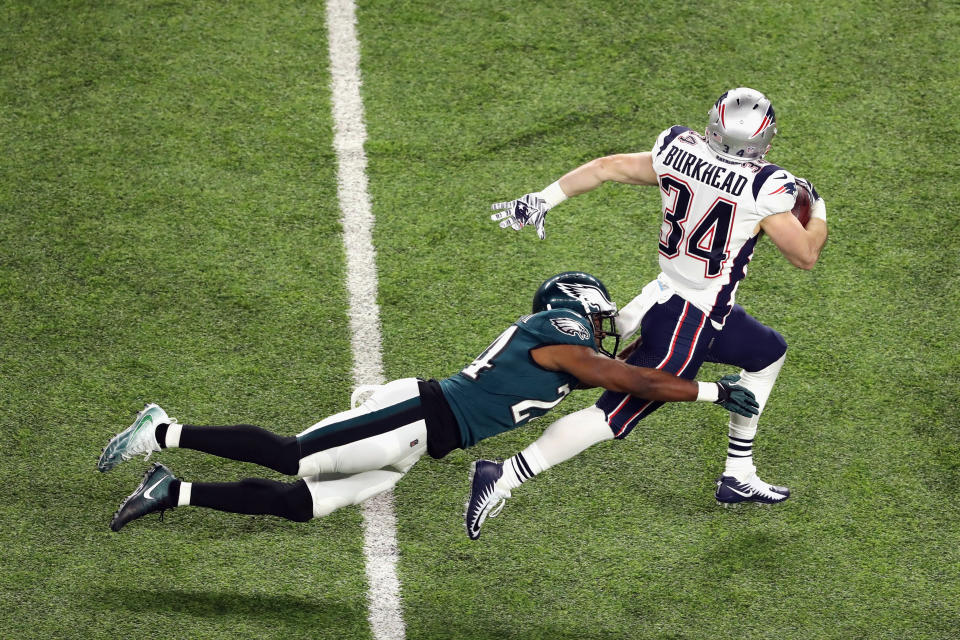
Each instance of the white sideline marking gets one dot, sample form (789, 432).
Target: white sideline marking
(349, 135)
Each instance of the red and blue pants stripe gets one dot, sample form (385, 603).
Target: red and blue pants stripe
(678, 338)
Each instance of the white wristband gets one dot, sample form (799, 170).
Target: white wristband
(553, 195)
(819, 210)
(709, 392)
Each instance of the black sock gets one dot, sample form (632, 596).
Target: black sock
(256, 496)
(161, 434)
(246, 443)
(173, 496)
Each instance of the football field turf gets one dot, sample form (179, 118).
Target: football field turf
(169, 232)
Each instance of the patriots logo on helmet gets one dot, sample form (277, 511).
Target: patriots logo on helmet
(571, 327)
(591, 297)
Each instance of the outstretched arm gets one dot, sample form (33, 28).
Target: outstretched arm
(597, 370)
(532, 208)
(628, 168)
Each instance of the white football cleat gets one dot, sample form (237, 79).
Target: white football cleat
(137, 439)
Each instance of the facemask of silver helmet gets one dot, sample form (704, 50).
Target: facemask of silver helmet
(741, 125)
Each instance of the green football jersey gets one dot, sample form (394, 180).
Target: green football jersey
(504, 388)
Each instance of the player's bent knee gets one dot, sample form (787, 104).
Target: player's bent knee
(780, 344)
(330, 495)
(316, 463)
(774, 348)
(290, 500)
(326, 506)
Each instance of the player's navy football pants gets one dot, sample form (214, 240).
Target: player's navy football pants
(677, 337)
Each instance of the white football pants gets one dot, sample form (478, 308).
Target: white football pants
(364, 464)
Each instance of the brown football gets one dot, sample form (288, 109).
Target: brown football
(801, 209)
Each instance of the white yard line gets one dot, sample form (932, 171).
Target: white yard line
(379, 521)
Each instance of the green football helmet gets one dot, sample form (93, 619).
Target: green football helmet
(585, 295)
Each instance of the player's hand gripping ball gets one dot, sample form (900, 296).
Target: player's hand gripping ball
(801, 209)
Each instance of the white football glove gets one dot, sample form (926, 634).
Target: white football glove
(519, 213)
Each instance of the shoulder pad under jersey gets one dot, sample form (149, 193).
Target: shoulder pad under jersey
(559, 326)
(667, 136)
(775, 190)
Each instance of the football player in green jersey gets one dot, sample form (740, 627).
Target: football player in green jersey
(354, 455)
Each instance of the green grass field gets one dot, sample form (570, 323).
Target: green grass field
(169, 229)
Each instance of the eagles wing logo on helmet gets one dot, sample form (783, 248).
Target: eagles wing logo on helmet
(592, 298)
(571, 327)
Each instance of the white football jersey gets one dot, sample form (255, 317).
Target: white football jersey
(711, 208)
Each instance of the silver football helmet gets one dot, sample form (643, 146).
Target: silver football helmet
(741, 125)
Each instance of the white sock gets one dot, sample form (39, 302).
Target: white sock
(172, 439)
(740, 436)
(561, 441)
(521, 467)
(184, 498)
(742, 430)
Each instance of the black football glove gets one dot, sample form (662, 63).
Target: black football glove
(735, 398)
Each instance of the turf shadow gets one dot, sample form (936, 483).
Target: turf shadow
(276, 610)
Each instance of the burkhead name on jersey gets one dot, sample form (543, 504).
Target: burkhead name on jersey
(711, 173)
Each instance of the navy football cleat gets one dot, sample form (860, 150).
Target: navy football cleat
(153, 494)
(752, 489)
(485, 499)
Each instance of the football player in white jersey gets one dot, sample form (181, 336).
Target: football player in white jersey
(719, 196)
